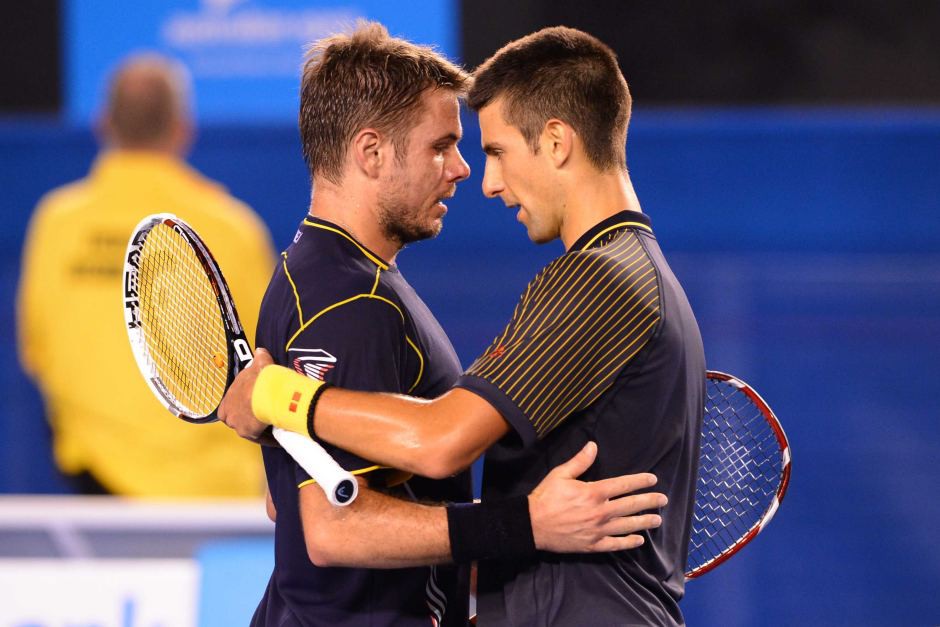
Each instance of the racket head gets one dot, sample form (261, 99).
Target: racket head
(181, 320)
(744, 472)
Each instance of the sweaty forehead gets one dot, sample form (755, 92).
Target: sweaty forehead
(493, 126)
(440, 115)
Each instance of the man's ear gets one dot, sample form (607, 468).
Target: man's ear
(104, 132)
(368, 151)
(557, 141)
(181, 137)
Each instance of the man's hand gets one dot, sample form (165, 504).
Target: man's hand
(571, 516)
(235, 409)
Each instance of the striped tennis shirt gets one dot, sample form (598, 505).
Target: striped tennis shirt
(603, 347)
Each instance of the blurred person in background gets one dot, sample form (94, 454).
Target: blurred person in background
(110, 435)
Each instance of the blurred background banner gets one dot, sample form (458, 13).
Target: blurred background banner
(244, 55)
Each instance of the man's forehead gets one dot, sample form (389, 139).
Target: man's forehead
(491, 111)
(439, 107)
(441, 98)
(493, 125)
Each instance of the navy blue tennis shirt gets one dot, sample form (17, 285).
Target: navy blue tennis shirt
(602, 346)
(335, 311)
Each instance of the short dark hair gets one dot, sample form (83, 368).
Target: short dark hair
(361, 79)
(560, 73)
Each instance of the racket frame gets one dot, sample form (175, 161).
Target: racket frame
(784, 483)
(343, 487)
(238, 350)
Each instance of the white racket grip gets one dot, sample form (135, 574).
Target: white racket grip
(340, 487)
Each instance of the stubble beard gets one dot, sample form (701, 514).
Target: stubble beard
(402, 223)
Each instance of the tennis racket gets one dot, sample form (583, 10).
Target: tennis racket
(744, 470)
(188, 341)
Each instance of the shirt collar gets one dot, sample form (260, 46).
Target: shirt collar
(623, 220)
(325, 225)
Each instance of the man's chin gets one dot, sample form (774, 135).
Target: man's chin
(415, 234)
(540, 237)
(433, 229)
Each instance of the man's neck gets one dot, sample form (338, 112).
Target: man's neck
(596, 198)
(354, 213)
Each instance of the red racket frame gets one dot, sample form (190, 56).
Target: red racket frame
(784, 444)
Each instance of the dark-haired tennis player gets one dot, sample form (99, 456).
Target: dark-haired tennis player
(380, 124)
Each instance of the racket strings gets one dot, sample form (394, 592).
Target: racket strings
(739, 473)
(177, 329)
(180, 323)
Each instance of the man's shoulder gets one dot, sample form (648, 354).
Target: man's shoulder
(590, 282)
(322, 277)
(217, 209)
(206, 200)
(64, 200)
(623, 263)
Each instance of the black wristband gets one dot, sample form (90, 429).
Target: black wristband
(500, 528)
(313, 406)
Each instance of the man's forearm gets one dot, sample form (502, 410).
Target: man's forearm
(380, 531)
(391, 429)
(431, 438)
(376, 531)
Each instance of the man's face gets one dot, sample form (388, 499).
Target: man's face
(410, 202)
(519, 177)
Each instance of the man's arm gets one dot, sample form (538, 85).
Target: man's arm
(269, 508)
(417, 435)
(433, 438)
(37, 267)
(375, 531)
(568, 516)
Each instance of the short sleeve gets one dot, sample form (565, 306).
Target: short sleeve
(578, 324)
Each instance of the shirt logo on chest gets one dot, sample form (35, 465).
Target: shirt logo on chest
(312, 362)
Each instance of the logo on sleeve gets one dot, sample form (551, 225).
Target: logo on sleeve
(313, 362)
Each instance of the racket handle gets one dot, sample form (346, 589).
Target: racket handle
(340, 487)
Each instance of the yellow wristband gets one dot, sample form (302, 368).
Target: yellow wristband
(281, 397)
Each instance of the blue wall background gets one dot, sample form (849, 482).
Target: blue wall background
(809, 244)
(244, 56)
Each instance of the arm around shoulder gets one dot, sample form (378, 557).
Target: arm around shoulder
(435, 438)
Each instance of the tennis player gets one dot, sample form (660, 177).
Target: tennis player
(339, 310)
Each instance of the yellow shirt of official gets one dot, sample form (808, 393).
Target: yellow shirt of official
(73, 342)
